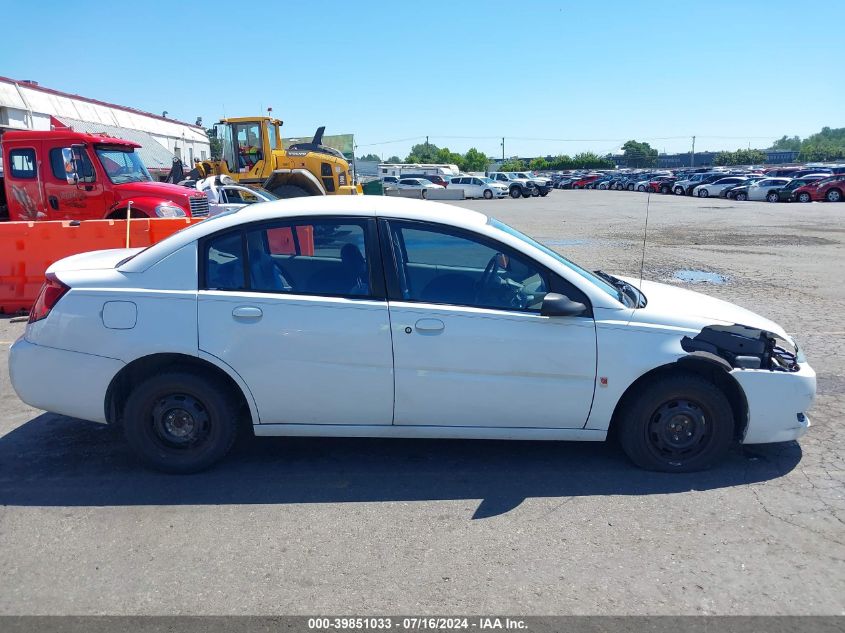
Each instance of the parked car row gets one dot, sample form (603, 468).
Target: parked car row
(497, 184)
(794, 184)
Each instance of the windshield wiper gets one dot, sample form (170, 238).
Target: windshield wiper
(624, 289)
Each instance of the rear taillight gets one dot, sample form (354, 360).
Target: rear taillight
(48, 297)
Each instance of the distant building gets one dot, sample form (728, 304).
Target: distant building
(24, 105)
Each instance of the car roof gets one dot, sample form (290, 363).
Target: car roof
(360, 206)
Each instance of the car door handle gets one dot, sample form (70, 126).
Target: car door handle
(247, 312)
(430, 325)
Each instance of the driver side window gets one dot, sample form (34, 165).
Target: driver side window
(439, 265)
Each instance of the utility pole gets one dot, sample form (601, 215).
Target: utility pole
(692, 154)
(503, 149)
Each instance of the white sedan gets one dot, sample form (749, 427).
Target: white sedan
(715, 188)
(479, 187)
(385, 317)
(762, 188)
(420, 184)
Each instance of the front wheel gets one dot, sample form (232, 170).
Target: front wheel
(487, 194)
(741, 196)
(289, 191)
(772, 196)
(679, 423)
(804, 197)
(515, 192)
(180, 422)
(641, 188)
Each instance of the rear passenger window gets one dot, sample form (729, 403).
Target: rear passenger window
(22, 163)
(322, 257)
(224, 269)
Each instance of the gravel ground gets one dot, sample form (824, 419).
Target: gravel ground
(311, 526)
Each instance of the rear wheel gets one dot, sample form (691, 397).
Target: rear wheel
(741, 196)
(289, 191)
(834, 195)
(665, 189)
(631, 187)
(487, 194)
(804, 197)
(772, 196)
(679, 191)
(703, 193)
(180, 422)
(678, 423)
(515, 192)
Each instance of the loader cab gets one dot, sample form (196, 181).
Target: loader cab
(248, 145)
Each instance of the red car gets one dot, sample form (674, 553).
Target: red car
(586, 180)
(830, 189)
(661, 184)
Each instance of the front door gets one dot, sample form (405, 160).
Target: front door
(470, 347)
(296, 310)
(83, 200)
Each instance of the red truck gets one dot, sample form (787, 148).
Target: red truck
(66, 175)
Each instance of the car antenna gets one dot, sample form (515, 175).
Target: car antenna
(645, 235)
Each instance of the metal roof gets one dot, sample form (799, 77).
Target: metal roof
(152, 153)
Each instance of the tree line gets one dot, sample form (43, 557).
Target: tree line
(828, 144)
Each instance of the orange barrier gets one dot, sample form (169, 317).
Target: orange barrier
(27, 249)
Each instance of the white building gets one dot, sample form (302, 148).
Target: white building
(26, 105)
(432, 169)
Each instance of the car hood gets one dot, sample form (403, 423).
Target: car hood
(156, 189)
(677, 307)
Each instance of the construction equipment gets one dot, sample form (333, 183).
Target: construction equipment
(253, 153)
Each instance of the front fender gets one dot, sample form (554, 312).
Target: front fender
(143, 204)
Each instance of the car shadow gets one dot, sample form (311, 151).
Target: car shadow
(53, 460)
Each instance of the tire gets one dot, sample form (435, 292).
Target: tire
(423, 194)
(488, 195)
(804, 197)
(641, 188)
(703, 193)
(665, 189)
(120, 214)
(772, 196)
(603, 186)
(289, 191)
(834, 195)
(156, 433)
(630, 187)
(679, 191)
(515, 192)
(678, 423)
(741, 196)
(544, 194)
(575, 187)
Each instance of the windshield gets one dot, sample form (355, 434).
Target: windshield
(487, 180)
(595, 280)
(123, 166)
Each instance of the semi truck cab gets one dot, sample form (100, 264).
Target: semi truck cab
(66, 175)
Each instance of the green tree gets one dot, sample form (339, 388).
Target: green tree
(474, 160)
(423, 153)
(538, 164)
(215, 146)
(394, 159)
(514, 164)
(740, 157)
(784, 143)
(639, 154)
(371, 157)
(590, 160)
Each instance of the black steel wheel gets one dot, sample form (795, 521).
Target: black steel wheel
(679, 423)
(180, 422)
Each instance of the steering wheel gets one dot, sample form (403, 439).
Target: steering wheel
(493, 266)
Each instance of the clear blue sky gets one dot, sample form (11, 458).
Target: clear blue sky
(603, 71)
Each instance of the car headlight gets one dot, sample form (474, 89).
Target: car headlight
(165, 210)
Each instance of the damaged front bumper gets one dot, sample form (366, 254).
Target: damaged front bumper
(777, 403)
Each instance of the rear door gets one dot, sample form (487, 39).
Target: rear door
(297, 309)
(469, 344)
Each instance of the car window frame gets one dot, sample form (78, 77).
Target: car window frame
(556, 282)
(373, 255)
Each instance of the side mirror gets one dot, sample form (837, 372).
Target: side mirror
(555, 304)
(70, 163)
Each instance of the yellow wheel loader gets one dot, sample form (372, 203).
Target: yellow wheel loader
(253, 153)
